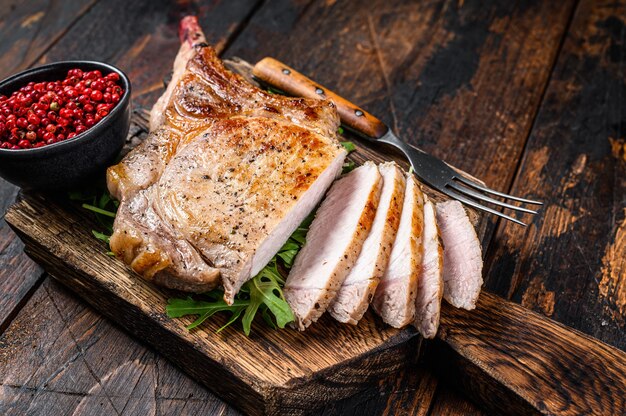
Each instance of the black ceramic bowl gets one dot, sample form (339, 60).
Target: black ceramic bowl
(74, 161)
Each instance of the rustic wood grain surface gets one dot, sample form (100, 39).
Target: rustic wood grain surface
(517, 93)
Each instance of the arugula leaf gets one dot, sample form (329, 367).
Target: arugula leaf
(180, 307)
(299, 235)
(104, 208)
(99, 210)
(289, 245)
(288, 257)
(340, 131)
(236, 314)
(349, 166)
(101, 236)
(265, 287)
(288, 252)
(263, 292)
(349, 146)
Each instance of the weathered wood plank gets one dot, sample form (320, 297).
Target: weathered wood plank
(340, 90)
(60, 357)
(29, 28)
(408, 391)
(532, 363)
(18, 273)
(141, 37)
(448, 402)
(515, 361)
(271, 371)
(461, 79)
(570, 264)
(504, 339)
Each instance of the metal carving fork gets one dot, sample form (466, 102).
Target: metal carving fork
(429, 169)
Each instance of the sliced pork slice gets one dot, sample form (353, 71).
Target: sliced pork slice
(430, 281)
(462, 258)
(395, 296)
(333, 243)
(358, 289)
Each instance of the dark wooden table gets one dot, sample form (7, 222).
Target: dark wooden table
(529, 96)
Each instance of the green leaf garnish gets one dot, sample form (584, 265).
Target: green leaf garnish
(261, 293)
(349, 146)
(349, 166)
(99, 210)
(101, 236)
(181, 307)
(288, 257)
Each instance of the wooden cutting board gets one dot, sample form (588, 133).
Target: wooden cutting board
(291, 372)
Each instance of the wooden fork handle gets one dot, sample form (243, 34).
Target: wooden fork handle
(279, 75)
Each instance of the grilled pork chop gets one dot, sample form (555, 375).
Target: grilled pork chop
(358, 289)
(229, 173)
(333, 243)
(430, 280)
(462, 262)
(395, 296)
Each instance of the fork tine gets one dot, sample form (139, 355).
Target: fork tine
(453, 194)
(485, 198)
(491, 191)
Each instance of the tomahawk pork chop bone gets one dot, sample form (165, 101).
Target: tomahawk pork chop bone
(395, 296)
(229, 173)
(191, 36)
(358, 288)
(333, 243)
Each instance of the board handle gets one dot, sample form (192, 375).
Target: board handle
(515, 361)
(276, 74)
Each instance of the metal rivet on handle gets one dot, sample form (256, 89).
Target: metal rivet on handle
(358, 113)
(286, 71)
(319, 91)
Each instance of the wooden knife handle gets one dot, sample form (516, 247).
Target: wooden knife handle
(287, 79)
(516, 362)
